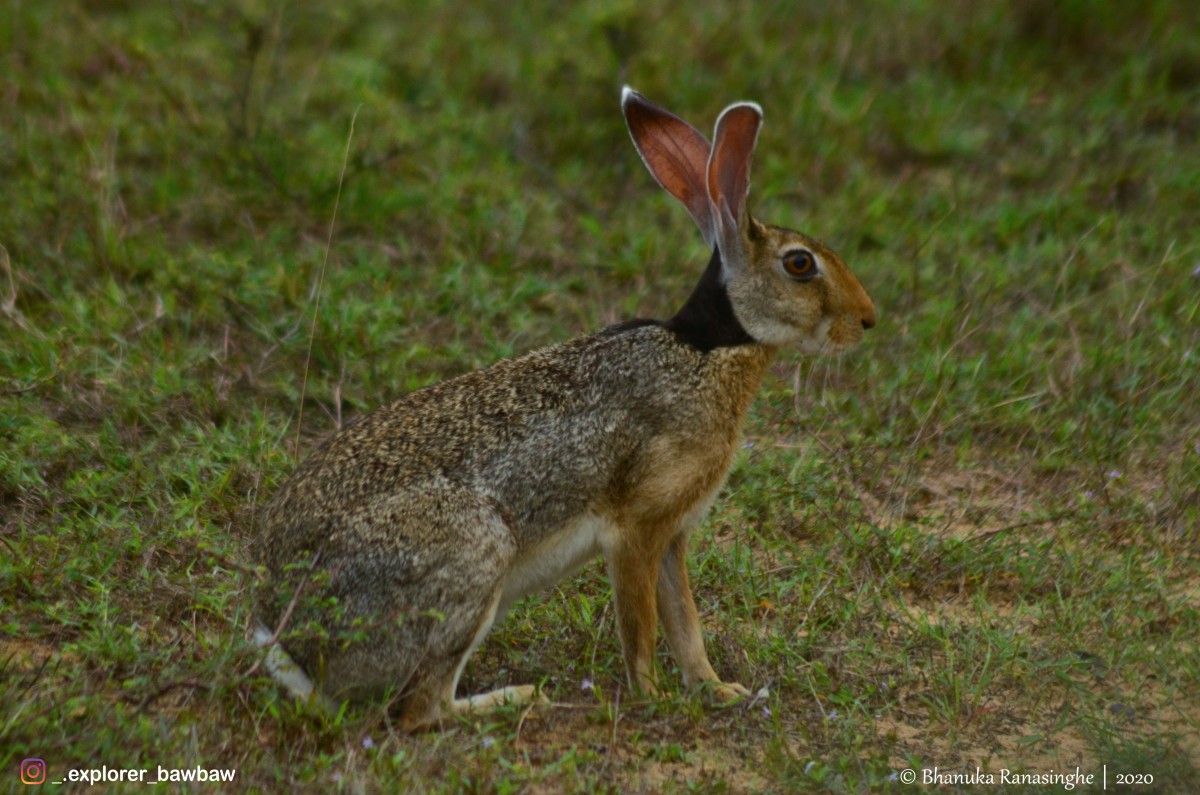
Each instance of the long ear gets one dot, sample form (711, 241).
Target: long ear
(729, 175)
(676, 154)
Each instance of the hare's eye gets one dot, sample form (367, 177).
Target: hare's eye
(800, 264)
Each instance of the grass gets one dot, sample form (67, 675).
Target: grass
(972, 543)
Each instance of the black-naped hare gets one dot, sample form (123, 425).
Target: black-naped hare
(408, 534)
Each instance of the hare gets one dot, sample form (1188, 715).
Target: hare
(399, 543)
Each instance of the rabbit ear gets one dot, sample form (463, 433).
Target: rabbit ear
(729, 175)
(676, 154)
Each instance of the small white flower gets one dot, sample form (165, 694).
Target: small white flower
(587, 685)
(368, 743)
(488, 742)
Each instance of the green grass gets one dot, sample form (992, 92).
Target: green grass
(972, 542)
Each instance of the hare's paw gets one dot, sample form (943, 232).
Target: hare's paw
(724, 692)
(515, 695)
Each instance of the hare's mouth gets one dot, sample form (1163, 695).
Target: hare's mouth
(831, 338)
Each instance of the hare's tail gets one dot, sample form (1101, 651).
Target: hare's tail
(286, 671)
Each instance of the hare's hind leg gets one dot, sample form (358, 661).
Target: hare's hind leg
(512, 695)
(490, 701)
(430, 706)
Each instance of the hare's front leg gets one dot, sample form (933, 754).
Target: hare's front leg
(633, 571)
(677, 608)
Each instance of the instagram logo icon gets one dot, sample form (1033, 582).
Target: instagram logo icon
(33, 771)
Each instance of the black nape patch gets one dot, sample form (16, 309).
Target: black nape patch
(706, 321)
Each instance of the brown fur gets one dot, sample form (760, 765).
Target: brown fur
(400, 541)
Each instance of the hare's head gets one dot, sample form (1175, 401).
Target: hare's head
(785, 287)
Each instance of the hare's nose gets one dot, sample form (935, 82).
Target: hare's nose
(866, 309)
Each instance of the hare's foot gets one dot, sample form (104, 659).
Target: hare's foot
(436, 717)
(514, 695)
(725, 692)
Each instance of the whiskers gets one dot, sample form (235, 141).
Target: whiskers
(814, 379)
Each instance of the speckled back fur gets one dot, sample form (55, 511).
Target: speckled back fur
(540, 437)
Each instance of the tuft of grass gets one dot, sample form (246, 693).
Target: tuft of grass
(972, 543)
